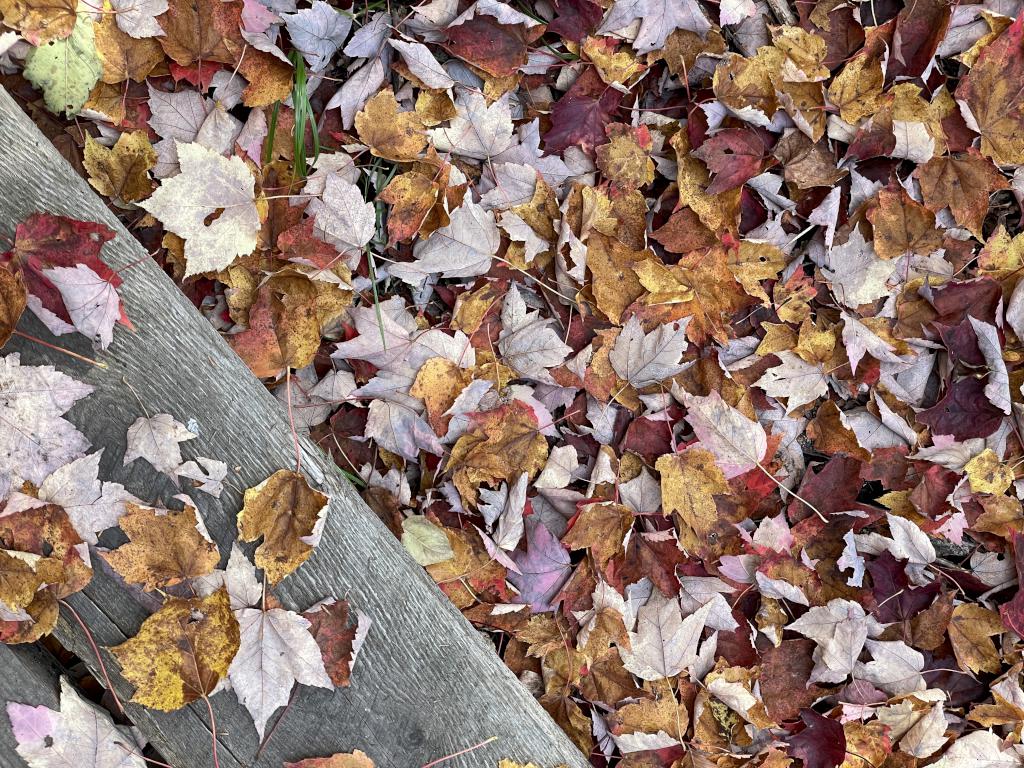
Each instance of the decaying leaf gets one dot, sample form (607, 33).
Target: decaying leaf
(289, 516)
(181, 652)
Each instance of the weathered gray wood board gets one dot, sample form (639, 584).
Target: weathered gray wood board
(426, 684)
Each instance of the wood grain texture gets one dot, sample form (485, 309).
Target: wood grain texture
(426, 684)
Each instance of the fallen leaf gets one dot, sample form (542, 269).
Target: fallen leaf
(181, 652)
(210, 205)
(288, 515)
(123, 171)
(156, 439)
(79, 735)
(165, 547)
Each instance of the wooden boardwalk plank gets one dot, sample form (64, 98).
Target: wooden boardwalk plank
(426, 684)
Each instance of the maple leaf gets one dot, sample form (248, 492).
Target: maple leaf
(342, 217)
(527, 342)
(963, 412)
(580, 117)
(210, 205)
(338, 638)
(355, 759)
(665, 643)
(275, 648)
(738, 443)
(138, 17)
(123, 171)
(181, 652)
(991, 104)
(36, 440)
(659, 18)
(48, 738)
(644, 359)
(317, 31)
(92, 303)
(821, 744)
(478, 130)
(390, 134)
(970, 631)
(464, 248)
(795, 379)
(543, 567)
(13, 300)
(734, 155)
(92, 505)
(40, 22)
(155, 439)
(689, 482)
(840, 628)
(963, 184)
(422, 64)
(499, 445)
(165, 547)
(288, 515)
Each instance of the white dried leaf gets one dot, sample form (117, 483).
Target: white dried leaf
(644, 359)
(156, 439)
(209, 185)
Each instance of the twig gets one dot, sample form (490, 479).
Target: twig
(462, 752)
(67, 352)
(96, 651)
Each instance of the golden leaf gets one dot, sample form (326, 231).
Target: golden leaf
(122, 171)
(626, 159)
(857, 89)
(13, 299)
(689, 482)
(970, 631)
(438, 382)
(390, 134)
(355, 759)
(18, 580)
(181, 652)
(615, 285)
(287, 513)
(164, 547)
(662, 713)
(987, 474)
(753, 262)
(601, 528)
(612, 67)
(124, 57)
(500, 444)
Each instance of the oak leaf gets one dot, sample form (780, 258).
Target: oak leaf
(288, 515)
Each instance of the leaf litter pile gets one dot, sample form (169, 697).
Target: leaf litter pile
(681, 342)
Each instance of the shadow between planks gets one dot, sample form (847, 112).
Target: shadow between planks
(426, 684)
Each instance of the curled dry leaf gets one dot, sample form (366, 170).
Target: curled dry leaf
(288, 515)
